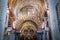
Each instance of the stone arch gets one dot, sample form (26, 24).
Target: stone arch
(31, 22)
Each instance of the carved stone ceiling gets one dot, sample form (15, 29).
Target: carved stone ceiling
(23, 9)
(19, 4)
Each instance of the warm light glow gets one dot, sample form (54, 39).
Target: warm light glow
(14, 24)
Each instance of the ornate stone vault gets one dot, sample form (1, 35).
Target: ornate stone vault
(28, 10)
(29, 17)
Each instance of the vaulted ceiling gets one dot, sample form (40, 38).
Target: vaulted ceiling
(37, 7)
(13, 4)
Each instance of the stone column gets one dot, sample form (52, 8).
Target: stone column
(3, 5)
(53, 19)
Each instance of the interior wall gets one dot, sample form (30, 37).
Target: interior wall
(53, 22)
(3, 7)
